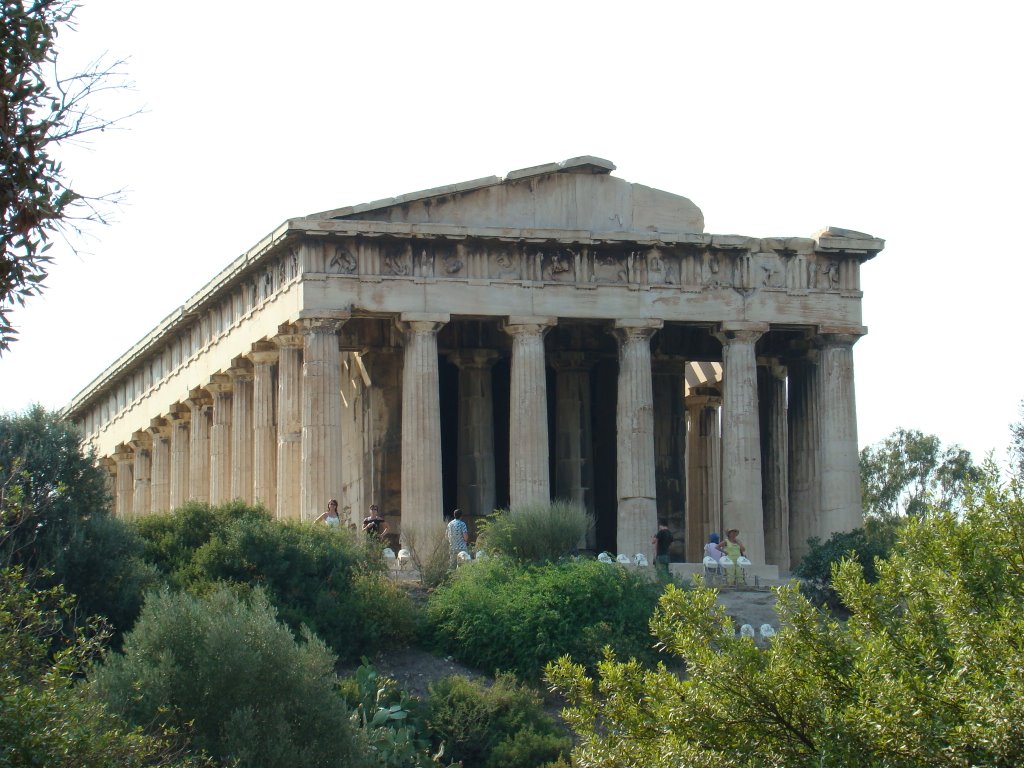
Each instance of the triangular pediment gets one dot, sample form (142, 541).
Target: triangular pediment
(578, 194)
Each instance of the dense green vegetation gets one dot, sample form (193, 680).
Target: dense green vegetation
(927, 671)
(534, 533)
(500, 615)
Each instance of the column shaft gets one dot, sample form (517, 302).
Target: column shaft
(574, 446)
(142, 473)
(637, 518)
(670, 448)
(180, 462)
(242, 436)
(264, 425)
(199, 447)
(775, 464)
(529, 475)
(422, 497)
(741, 446)
(124, 483)
(476, 489)
(840, 466)
(703, 477)
(160, 492)
(289, 426)
(220, 439)
(804, 438)
(321, 416)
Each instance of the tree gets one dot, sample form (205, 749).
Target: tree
(908, 470)
(55, 522)
(39, 112)
(1017, 445)
(927, 671)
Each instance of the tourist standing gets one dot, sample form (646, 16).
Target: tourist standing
(373, 524)
(661, 541)
(330, 518)
(458, 536)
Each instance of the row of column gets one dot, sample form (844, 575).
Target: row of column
(227, 441)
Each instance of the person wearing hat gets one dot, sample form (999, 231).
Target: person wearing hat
(713, 549)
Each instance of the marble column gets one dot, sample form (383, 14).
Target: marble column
(380, 442)
(774, 463)
(476, 489)
(142, 444)
(422, 497)
(703, 476)
(637, 518)
(741, 444)
(841, 508)
(289, 426)
(804, 466)
(160, 491)
(264, 426)
(179, 420)
(529, 475)
(123, 483)
(199, 404)
(669, 379)
(574, 440)
(321, 414)
(220, 439)
(242, 435)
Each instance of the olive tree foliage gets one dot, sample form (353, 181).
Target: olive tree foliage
(40, 110)
(927, 671)
(1017, 445)
(908, 471)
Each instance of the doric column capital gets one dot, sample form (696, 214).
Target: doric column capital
(481, 359)
(141, 440)
(422, 322)
(740, 332)
(180, 412)
(263, 352)
(288, 336)
(321, 322)
(840, 335)
(198, 399)
(703, 401)
(123, 454)
(220, 384)
(241, 370)
(636, 330)
(159, 427)
(519, 325)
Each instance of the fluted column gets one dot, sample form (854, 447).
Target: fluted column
(264, 425)
(670, 448)
(199, 404)
(703, 478)
(220, 439)
(321, 414)
(180, 464)
(841, 508)
(241, 432)
(123, 484)
(289, 426)
(804, 457)
(637, 517)
(774, 463)
(476, 431)
(574, 447)
(529, 476)
(160, 487)
(422, 498)
(741, 444)
(142, 443)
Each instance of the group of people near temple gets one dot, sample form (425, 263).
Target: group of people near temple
(732, 548)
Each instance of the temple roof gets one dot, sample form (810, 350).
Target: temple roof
(576, 194)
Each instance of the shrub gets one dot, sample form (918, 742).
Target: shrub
(504, 725)
(536, 532)
(254, 694)
(328, 580)
(45, 719)
(496, 614)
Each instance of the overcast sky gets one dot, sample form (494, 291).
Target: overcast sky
(901, 120)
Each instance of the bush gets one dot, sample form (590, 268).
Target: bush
(536, 532)
(45, 719)
(331, 581)
(254, 694)
(496, 614)
(503, 726)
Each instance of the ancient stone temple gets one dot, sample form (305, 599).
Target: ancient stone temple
(556, 333)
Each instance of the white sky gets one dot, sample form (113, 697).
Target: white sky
(776, 118)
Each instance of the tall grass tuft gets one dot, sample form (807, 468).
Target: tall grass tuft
(536, 532)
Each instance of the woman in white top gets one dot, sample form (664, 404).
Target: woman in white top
(330, 517)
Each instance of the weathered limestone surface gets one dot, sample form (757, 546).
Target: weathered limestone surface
(515, 280)
(638, 508)
(530, 479)
(422, 499)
